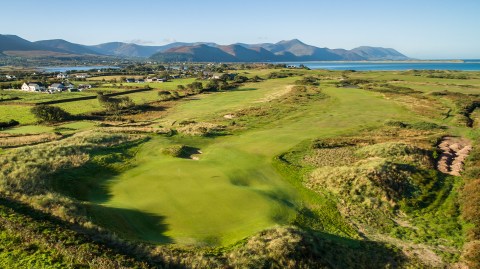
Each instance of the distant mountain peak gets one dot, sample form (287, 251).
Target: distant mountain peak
(285, 50)
(67, 46)
(379, 53)
(292, 41)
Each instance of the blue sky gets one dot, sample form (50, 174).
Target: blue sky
(421, 29)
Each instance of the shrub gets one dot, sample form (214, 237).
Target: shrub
(115, 104)
(308, 81)
(168, 95)
(352, 82)
(177, 151)
(278, 75)
(398, 124)
(7, 124)
(425, 126)
(472, 254)
(201, 129)
(422, 125)
(180, 151)
(50, 114)
(195, 86)
(219, 85)
(241, 79)
(256, 79)
(290, 247)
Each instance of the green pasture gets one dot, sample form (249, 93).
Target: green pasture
(36, 97)
(19, 113)
(70, 127)
(30, 129)
(169, 85)
(23, 115)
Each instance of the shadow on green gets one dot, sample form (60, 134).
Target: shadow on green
(131, 224)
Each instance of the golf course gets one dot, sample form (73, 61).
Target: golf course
(224, 166)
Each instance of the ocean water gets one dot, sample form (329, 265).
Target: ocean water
(466, 65)
(73, 68)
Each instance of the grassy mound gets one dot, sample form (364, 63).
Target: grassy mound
(291, 247)
(180, 151)
(201, 129)
(388, 183)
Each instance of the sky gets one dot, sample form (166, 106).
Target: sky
(423, 29)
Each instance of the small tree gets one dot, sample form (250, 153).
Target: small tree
(256, 79)
(212, 85)
(50, 114)
(241, 79)
(175, 95)
(164, 95)
(115, 104)
(195, 86)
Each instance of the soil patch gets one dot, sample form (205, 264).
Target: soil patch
(454, 152)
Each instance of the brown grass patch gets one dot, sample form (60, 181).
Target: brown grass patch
(9, 141)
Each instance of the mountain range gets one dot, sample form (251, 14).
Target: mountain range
(289, 50)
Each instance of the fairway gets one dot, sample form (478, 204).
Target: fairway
(232, 191)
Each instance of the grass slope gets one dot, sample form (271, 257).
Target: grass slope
(253, 176)
(196, 198)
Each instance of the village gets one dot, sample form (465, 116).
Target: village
(139, 75)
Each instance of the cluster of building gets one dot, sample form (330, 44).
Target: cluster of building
(55, 87)
(78, 75)
(141, 80)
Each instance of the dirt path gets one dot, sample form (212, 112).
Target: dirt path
(454, 152)
(276, 95)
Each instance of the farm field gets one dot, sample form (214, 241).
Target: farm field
(21, 112)
(266, 155)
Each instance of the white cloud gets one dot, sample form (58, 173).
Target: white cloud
(140, 41)
(169, 40)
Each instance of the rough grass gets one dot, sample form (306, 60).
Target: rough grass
(201, 129)
(252, 179)
(23, 140)
(387, 181)
(38, 162)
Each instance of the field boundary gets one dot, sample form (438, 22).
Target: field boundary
(75, 99)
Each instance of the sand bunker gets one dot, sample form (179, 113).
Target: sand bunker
(454, 152)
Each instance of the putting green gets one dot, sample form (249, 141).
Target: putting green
(232, 191)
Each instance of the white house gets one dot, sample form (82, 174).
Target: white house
(33, 87)
(84, 86)
(62, 75)
(155, 80)
(81, 75)
(57, 87)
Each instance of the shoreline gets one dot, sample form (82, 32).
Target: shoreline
(387, 61)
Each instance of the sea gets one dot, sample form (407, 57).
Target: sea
(61, 69)
(458, 65)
